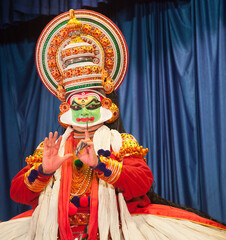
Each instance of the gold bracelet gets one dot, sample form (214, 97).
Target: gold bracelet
(114, 166)
(37, 185)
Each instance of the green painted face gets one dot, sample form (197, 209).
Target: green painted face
(85, 109)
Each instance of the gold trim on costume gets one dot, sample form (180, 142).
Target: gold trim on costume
(39, 184)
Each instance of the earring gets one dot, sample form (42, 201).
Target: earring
(61, 92)
(106, 103)
(115, 113)
(107, 82)
(64, 107)
(108, 85)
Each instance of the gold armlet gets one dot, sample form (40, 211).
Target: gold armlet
(34, 181)
(137, 151)
(114, 166)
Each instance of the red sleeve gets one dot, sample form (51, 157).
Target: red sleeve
(19, 191)
(136, 178)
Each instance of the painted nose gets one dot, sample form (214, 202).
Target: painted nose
(84, 112)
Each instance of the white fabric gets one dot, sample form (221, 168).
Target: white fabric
(15, 229)
(108, 218)
(142, 227)
(161, 228)
(116, 140)
(103, 210)
(150, 227)
(42, 225)
(129, 227)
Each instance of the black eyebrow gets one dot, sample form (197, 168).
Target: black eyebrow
(76, 103)
(94, 100)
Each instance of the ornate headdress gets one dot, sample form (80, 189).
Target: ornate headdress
(86, 53)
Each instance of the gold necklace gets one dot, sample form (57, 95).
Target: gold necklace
(81, 180)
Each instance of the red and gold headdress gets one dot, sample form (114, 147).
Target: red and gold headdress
(80, 51)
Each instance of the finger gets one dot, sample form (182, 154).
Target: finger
(80, 143)
(46, 142)
(50, 139)
(80, 149)
(89, 142)
(58, 142)
(87, 149)
(55, 137)
(86, 134)
(66, 157)
(84, 144)
(50, 135)
(61, 160)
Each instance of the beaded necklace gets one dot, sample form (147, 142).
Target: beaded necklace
(81, 177)
(81, 180)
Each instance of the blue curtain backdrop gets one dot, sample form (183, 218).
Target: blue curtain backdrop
(172, 99)
(13, 11)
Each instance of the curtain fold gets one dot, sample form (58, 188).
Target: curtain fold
(13, 11)
(173, 97)
(27, 109)
(172, 100)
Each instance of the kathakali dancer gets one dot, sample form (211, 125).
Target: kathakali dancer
(91, 182)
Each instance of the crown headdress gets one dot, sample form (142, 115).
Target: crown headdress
(81, 50)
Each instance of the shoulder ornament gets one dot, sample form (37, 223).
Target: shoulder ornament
(130, 147)
(37, 155)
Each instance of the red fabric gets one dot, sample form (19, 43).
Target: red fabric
(84, 201)
(141, 202)
(136, 178)
(93, 220)
(72, 209)
(19, 191)
(77, 231)
(65, 189)
(172, 212)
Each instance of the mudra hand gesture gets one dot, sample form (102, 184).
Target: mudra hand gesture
(51, 159)
(88, 155)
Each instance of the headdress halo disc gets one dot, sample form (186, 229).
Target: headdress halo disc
(99, 31)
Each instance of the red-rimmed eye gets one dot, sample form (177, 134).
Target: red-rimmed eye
(75, 107)
(93, 106)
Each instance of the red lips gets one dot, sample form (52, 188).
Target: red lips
(91, 119)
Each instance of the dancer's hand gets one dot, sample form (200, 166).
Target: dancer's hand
(88, 155)
(51, 159)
